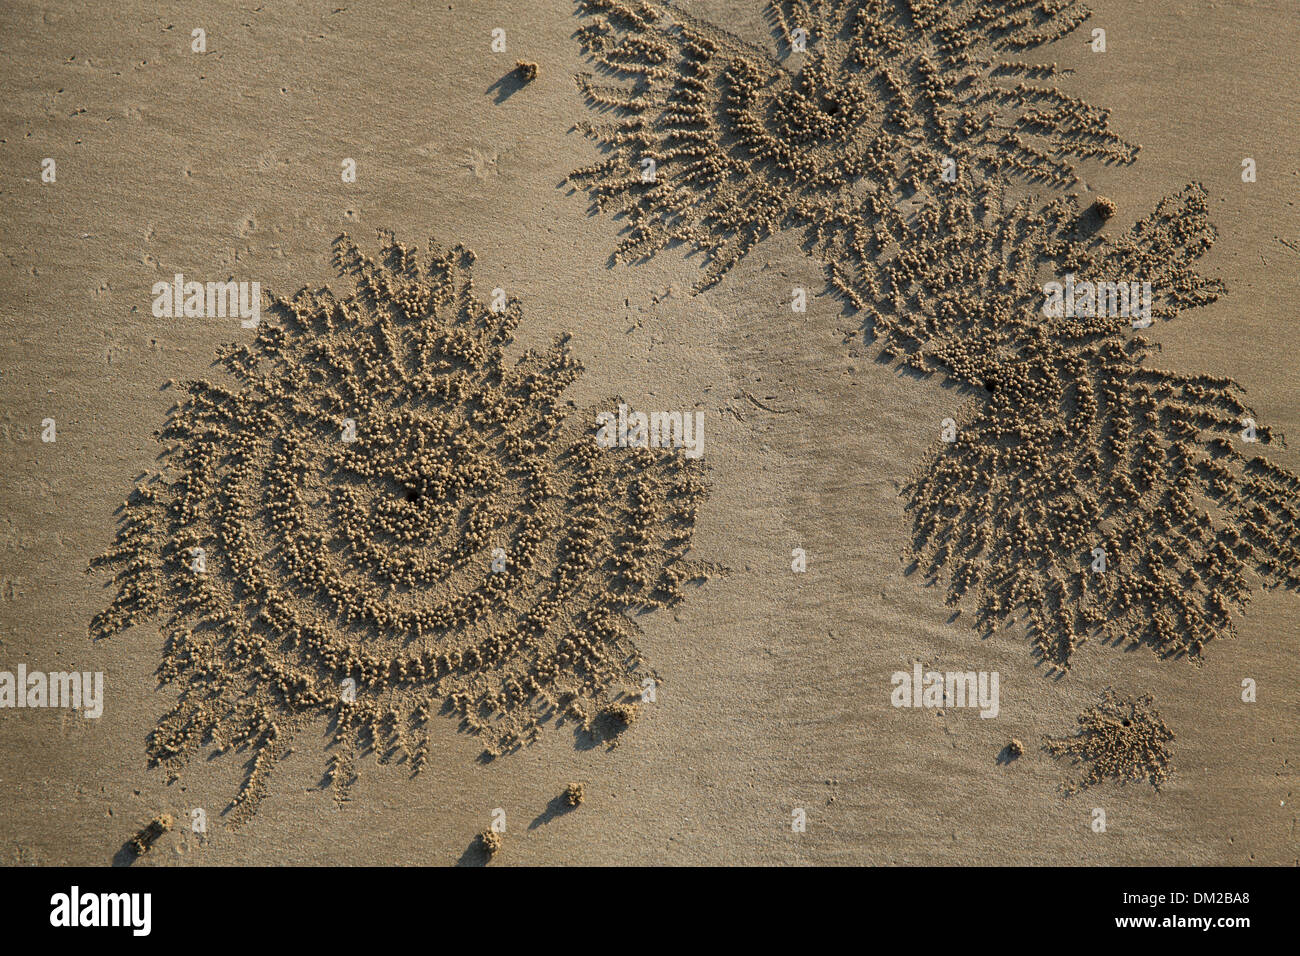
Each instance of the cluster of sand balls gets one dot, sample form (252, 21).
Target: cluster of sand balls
(1119, 739)
(395, 520)
(747, 141)
(490, 841)
(1073, 440)
(148, 835)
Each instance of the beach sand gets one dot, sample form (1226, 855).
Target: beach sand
(775, 685)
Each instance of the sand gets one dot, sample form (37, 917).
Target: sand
(771, 686)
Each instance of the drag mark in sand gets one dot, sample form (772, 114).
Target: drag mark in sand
(377, 517)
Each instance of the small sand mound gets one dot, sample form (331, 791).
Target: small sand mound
(143, 841)
(490, 841)
(1119, 739)
(394, 520)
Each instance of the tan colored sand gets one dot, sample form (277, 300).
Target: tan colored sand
(775, 684)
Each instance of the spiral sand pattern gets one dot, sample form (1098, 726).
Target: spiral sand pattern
(838, 141)
(394, 521)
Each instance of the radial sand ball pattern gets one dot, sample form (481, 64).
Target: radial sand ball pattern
(376, 517)
(1070, 438)
(851, 112)
(1119, 739)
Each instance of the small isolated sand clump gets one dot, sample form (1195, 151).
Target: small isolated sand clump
(149, 834)
(395, 519)
(574, 794)
(1104, 208)
(1015, 748)
(622, 714)
(1119, 739)
(527, 71)
(490, 840)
